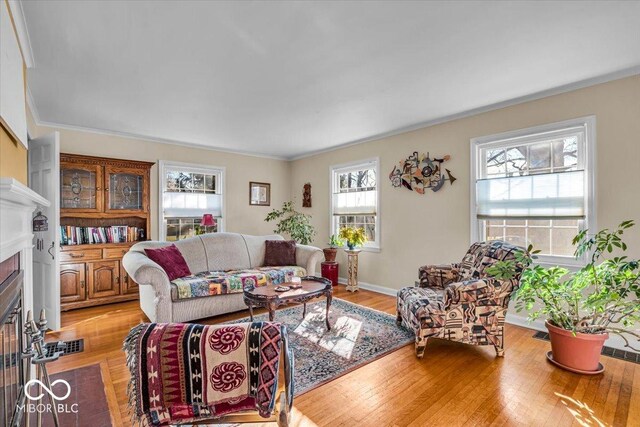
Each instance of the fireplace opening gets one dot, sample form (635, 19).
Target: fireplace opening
(13, 369)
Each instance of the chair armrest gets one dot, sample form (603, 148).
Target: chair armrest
(289, 367)
(144, 271)
(438, 276)
(308, 257)
(487, 291)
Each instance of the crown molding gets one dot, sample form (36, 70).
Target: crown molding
(617, 75)
(32, 106)
(508, 103)
(100, 161)
(21, 30)
(151, 139)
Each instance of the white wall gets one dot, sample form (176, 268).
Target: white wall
(435, 227)
(416, 230)
(240, 170)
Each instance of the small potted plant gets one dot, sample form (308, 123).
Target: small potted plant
(334, 243)
(582, 308)
(353, 236)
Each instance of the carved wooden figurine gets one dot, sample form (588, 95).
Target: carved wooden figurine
(306, 196)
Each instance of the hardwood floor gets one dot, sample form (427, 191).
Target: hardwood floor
(454, 384)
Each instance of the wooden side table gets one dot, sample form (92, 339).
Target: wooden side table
(330, 271)
(352, 269)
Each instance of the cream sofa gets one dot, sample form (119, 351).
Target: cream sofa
(208, 252)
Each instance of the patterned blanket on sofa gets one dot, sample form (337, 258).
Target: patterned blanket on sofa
(184, 372)
(210, 283)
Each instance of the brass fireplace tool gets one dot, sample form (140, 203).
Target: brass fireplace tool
(37, 352)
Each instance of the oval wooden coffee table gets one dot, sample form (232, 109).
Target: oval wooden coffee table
(267, 297)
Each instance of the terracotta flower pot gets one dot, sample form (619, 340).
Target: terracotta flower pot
(330, 254)
(579, 352)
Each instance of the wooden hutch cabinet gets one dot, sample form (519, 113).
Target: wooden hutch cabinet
(104, 210)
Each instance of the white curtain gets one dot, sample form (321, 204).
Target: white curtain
(355, 203)
(550, 195)
(191, 204)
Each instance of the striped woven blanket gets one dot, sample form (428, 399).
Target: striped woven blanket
(183, 373)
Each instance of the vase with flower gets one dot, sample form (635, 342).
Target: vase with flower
(353, 236)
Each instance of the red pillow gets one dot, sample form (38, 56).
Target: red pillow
(279, 253)
(171, 261)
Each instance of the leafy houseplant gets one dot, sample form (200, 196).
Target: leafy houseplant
(353, 236)
(331, 251)
(335, 241)
(296, 224)
(582, 308)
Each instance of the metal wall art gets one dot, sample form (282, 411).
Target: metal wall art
(420, 172)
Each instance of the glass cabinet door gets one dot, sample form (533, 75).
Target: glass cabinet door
(125, 189)
(80, 187)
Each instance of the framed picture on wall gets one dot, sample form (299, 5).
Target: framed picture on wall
(259, 194)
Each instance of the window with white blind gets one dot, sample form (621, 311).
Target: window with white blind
(535, 186)
(187, 193)
(354, 199)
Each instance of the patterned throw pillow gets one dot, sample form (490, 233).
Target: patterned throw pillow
(279, 252)
(171, 261)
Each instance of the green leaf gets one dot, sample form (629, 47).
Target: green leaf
(297, 225)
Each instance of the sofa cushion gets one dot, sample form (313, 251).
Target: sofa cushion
(256, 248)
(279, 252)
(224, 251)
(211, 283)
(171, 261)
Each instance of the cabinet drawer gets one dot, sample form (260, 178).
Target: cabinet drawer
(114, 253)
(80, 255)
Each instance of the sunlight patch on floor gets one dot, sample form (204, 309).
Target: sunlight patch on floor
(580, 411)
(340, 340)
(298, 419)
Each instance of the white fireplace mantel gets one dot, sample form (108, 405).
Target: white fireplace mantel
(17, 205)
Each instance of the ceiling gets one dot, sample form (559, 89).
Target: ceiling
(287, 79)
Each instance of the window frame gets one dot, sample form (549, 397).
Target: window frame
(334, 171)
(164, 166)
(530, 135)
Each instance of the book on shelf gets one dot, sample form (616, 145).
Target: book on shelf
(70, 235)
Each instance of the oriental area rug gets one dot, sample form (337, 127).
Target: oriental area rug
(358, 335)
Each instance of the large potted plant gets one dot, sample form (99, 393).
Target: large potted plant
(334, 243)
(296, 224)
(582, 308)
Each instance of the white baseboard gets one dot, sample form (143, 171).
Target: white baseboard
(614, 341)
(371, 287)
(517, 319)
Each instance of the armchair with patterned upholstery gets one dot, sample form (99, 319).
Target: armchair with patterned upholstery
(188, 374)
(460, 302)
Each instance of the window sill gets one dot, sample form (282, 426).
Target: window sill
(374, 249)
(569, 264)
